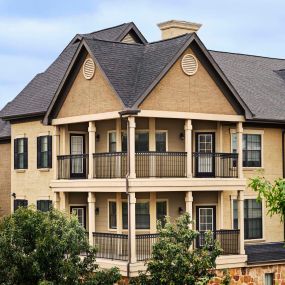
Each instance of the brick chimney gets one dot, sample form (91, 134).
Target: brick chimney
(174, 28)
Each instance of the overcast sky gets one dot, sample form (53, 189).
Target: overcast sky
(34, 32)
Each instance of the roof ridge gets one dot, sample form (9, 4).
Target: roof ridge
(244, 54)
(169, 39)
(106, 29)
(114, 42)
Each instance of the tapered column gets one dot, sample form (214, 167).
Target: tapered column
(239, 149)
(240, 200)
(56, 200)
(91, 133)
(132, 227)
(189, 205)
(131, 142)
(188, 147)
(55, 151)
(91, 215)
(152, 212)
(119, 212)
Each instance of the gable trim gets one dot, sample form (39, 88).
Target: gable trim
(72, 71)
(194, 38)
(128, 29)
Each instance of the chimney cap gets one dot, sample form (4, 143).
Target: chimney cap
(191, 26)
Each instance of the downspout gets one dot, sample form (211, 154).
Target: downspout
(126, 114)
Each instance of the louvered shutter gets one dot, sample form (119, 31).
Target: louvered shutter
(39, 162)
(25, 153)
(16, 154)
(49, 151)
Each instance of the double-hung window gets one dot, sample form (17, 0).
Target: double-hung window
(112, 215)
(44, 152)
(160, 141)
(44, 205)
(21, 153)
(142, 215)
(251, 146)
(20, 203)
(112, 141)
(161, 211)
(252, 218)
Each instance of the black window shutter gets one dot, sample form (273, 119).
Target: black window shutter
(25, 153)
(15, 153)
(49, 151)
(39, 163)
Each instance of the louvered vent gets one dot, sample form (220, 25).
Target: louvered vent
(88, 68)
(189, 64)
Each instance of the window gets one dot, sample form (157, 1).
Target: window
(80, 213)
(252, 218)
(44, 205)
(112, 215)
(142, 215)
(160, 138)
(44, 148)
(268, 278)
(251, 145)
(161, 211)
(142, 143)
(20, 203)
(21, 153)
(112, 141)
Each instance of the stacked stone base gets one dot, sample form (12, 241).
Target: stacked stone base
(254, 275)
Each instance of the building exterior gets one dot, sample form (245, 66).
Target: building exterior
(197, 124)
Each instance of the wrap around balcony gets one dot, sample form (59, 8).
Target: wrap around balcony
(111, 165)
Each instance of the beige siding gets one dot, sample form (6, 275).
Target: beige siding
(90, 96)
(179, 92)
(5, 179)
(31, 184)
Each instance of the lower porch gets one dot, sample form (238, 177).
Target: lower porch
(105, 217)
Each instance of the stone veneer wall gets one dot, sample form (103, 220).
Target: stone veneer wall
(252, 275)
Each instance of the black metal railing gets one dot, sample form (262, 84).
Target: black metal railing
(144, 243)
(111, 246)
(160, 164)
(73, 166)
(228, 240)
(222, 165)
(110, 164)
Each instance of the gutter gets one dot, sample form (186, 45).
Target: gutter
(126, 114)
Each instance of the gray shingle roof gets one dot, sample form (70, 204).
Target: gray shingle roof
(257, 82)
(5, 128)
(132, 68)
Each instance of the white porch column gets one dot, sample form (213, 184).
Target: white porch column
(91, 133)
(55, 151)
(119, 212)
(219, 137)
(189, 205)
(132, 227)
(63, 202)
(56, 200)
(188, 147)
(152, 212)
(118, 135)
(239, 148)
(221, 208)
(152, 146)
(240, 200)
(131, 142)
(65, 140)
(91, 215)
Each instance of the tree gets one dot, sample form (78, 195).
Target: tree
(46, 248)
(174, 262)
(273, 193)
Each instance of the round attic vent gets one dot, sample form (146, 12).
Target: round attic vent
(88, 68)
(189, 64)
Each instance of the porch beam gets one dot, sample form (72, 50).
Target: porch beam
(91, 150)
(91, 215)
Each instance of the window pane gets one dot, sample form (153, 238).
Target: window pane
(20, 146)
(269, 277)
(44, 144)
(112, 215)
(142, 216)
(160, 141)
(142, 139)
(112, 142)
(161, 211)
(44, 205)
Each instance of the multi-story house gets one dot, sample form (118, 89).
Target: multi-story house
(123, 132)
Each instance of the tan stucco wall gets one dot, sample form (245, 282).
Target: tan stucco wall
(5, 179)
(179, 92)
(31, 184)
(90, 96)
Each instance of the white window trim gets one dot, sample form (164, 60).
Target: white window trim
(250, 197)
(137, 131)
(108, 215)
(251, 132)
(203, 131)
